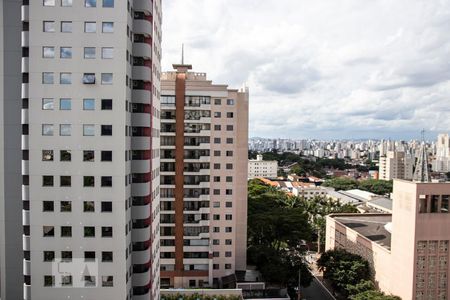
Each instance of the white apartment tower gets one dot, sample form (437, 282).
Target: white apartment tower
(90, 143)
(396, 165)
(204, 150)
(262, 168)
(442, 161)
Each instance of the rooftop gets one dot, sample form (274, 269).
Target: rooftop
(371, 226)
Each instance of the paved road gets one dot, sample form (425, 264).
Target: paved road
(316, 292)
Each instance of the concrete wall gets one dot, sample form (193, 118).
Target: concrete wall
(11, 279)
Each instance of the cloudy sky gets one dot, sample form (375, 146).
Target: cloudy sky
(323, 68)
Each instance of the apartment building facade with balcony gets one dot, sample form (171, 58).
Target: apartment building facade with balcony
(204, 133)
(90, 147)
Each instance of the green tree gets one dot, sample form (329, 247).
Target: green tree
(360, 287)
(380, 187)
(341, 183)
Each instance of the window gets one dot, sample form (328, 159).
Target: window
(106, 104)
(88, 130)
(65, 130)
(49, 255)
(108, 3)
(88, 181)
(66, 231)
(89, 78)
(107, 231)
(216, 178)
(65, 155)
(216, 192)
(48, 231)
(47, 180)
(229, 166)
(47, 129)
(48, 206)
(230, 127)
(49, 26)
(90, 3)
(88, 155)
(48, 52)
(65, 104)
(107, 281)
(107, 27)
(216, 204)
(216, 217)
(228, 217)
(228, 192)
(227, 266)
(216, 254)
(228, 253)
(216, 229)
(217, 101)
(106, 206)
(89, 281)
(216, 242)
(107, 256)
(216, 166)
(107, 78)
(88, 206)
(66, 26)
(106, 130)
(66, 206)
(230, 115)
(65, 78)
(89, 255)
(89, 231)
(434, 203)
(106, 181)
(66, 3)
(49, 2)
(217, 114)
(229, 140)
(89, 52)
(229, 179)
(230, 101)
(107, 53)
(216, 140)
(48, 77)
(65, 181)
(217, 127)
(228, 242)
(228, 204)
(106, 155)
(65, 52)
(445, 203)
(47, 155)
(88, 104)
(90, 27)
(47, 104)
(216, 152)
(228, 229)
(229, 153)
(49, 280)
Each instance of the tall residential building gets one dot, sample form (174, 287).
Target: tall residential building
(442, 160)
(262, 168)
(90, 146)
(11, 270)
(396, 165)
(204, 148)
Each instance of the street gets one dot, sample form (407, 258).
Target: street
(316, 292)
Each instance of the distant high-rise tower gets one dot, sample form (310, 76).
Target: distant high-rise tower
(204, 149)
(90, 146)
(442, 161)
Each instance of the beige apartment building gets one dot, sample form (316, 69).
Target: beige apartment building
(204, 148)
(262, 168)
(408, 250)
(90, 149)
(441, 163)
(396, 165)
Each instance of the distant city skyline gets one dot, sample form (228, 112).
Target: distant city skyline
(323, 69)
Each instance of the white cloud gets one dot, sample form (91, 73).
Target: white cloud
(320, 68)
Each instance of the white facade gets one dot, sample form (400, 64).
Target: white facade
(442, 161)
(262, 168)
(396, 165)
(91, 137)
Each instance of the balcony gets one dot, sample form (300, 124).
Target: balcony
(141, 279)
(140, 119)
(140, 143)
(140, 212)
(25, 217)
(25, 192)
(25, 13)
(141, 96)
(142, 50)
(26, 267)
(141, 257)
(142, 73)
(26, 242)
(140, 235)
(25, 167)
(24, 91)
(25, 65)
(142, 27)
(140, 189)
(25, 39)
(26, 291)
(143, 5)
(140, 166)
(24, 116)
